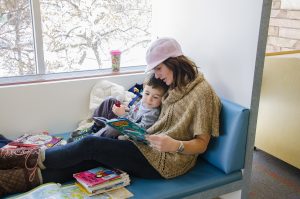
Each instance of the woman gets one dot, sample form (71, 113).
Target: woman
(189, 116)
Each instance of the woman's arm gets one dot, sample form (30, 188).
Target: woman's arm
(165, 143)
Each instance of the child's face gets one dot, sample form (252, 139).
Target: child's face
(152, 96)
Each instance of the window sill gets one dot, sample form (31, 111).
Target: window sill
(29, 79)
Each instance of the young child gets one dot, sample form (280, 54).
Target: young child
(144, 113)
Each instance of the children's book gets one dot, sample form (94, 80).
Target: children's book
(57, 191)
(97, 176)
(43, 140)
(126, 127)
(108, 185)
(101, 179)
(109, 188)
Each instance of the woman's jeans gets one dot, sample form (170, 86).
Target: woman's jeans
(62, 161)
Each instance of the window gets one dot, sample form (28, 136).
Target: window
(71, 35)
(16, 39)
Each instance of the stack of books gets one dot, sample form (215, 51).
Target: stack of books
(100, 179)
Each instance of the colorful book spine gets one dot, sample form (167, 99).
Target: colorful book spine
(124, 179)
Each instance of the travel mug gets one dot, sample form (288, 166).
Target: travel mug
(115, 60)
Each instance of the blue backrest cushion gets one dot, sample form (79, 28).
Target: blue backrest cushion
(227, 152)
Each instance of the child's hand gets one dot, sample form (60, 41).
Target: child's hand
(119, 111)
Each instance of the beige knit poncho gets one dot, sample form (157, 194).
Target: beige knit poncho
(185, 114)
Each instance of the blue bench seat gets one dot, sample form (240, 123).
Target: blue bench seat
(201, 178)
(220, 165)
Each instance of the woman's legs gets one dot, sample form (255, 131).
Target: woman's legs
(66, 174)
(113, 153)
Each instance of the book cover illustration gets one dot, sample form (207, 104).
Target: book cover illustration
(96, 176)
(126, 127)
(57, 191)
(43, 140)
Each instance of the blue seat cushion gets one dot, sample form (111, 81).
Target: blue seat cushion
(202, 177)
(227, 152)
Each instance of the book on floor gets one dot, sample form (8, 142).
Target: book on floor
(43, 140)
(126, 127)
(57, 191)
(97, 191)
(101, 179)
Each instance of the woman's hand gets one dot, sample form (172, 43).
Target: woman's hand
(119, 111)
(163, 143)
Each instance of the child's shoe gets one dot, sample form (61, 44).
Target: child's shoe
(79, 134)
(79, 137)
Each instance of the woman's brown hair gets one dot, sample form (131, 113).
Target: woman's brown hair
(150, 80)
(184, 71)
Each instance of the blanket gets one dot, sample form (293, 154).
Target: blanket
(100, 91)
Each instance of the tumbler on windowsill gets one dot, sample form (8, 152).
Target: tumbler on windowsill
(115, 60)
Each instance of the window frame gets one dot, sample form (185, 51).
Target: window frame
(41, 75)
(41, 78)
(37, 36)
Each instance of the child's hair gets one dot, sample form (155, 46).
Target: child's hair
(150, 80)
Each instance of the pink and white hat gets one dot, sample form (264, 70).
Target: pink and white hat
(160, 50)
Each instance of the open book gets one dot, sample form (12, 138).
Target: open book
(126, 127)
(42, 140)
(57, 191)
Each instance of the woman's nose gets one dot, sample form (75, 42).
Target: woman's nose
(156, 75)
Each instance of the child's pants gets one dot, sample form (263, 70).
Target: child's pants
(105, 110)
